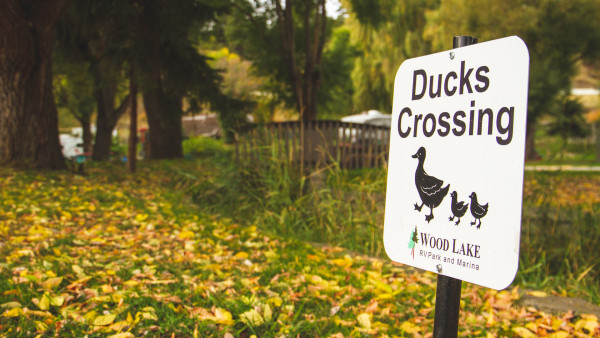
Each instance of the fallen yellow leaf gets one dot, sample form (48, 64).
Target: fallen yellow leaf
(122, 335)
(409, 327)
(223, 317)
(44, 303)
(120, 326)
(523, 332)
(589, 325)
(104, 320)
(252, 318)
(537, 293)
(10, 305)
(52, 283)
(14, 312)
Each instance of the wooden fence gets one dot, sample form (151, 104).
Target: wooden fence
(315, 143)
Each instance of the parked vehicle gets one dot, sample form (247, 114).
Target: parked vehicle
(371, 117)
(72, 146)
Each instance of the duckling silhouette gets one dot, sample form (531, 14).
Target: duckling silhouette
(478, 211)
(458, 208)
(429, 188)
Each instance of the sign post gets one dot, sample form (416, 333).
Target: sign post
(447, 304)
(455, 173)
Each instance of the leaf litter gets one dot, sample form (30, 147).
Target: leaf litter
(116, 255)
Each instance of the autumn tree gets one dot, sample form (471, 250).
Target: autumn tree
(28, 115)
(557, 33)
(386, 32)
(334, 98)
(98, 34)
(154, 38)
(285, 41)
(171, 68)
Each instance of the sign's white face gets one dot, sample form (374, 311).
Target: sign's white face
(455, 175)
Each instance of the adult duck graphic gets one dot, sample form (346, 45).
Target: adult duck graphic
(429, 187)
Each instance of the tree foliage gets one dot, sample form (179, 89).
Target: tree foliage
(387, 32)
(285, 42)
(557, 33)
(95, 34)
(171, 68)
(154, 37)
(334, 98)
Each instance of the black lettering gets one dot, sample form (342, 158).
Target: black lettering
(482, 79)
(508, 130)
(422, 73)
(464, 78)
(439, 87)
(444, 124)
(426, 132)
(404, 134)
(490, 117)
(424, 238)
(446, 245)
(439, 243)
(417, 119)
(459, 123)
(447, 90)
(472, 119)
(469, 252)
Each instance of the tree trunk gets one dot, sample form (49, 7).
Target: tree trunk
(530, 151)
(101, 151)
(304, 87)
(86, 126)
(28, 115)
(132, 144)
(108, 115)
(598, 141)
(164, 120)
(315, 41)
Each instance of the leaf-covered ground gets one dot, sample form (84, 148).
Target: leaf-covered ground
(110, 254)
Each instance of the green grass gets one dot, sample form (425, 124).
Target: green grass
(555, 150)
(204, 247)
(560, 232)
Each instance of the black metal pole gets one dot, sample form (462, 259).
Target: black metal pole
(447, 296)
(447, 307)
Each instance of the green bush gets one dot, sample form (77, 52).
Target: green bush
(199, 146)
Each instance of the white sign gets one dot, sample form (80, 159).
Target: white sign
(455, 174)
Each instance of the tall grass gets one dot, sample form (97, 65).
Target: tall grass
(325, 205)
(559, 239)
(559, 242)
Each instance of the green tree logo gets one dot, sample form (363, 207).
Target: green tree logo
(412, 242)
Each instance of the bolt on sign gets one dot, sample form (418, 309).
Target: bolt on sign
(457, 153)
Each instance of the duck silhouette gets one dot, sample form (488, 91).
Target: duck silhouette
(458, 208)
(429, 187)
(477, 210)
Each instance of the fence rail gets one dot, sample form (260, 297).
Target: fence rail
(316, 143)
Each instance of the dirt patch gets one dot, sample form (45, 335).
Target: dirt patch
(559, 305)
